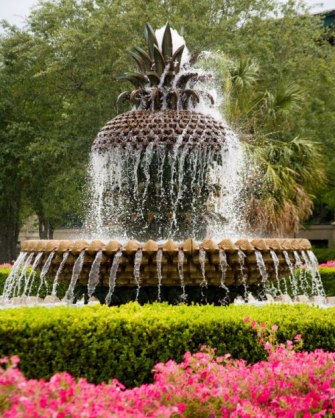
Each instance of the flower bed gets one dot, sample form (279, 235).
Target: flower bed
(328, 264)
(287, 384)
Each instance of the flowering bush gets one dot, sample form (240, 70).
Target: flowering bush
(288, 384)
(330, 264)
(6, 266)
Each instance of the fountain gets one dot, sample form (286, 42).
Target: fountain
(169, 168)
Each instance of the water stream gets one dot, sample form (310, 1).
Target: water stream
(137, 271)
(77, 268)
(159, 257)
(181, 274)
(112, 276)
(93, 278)
(242, 257)
(59, 271)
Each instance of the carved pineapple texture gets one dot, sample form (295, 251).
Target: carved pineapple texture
(139, 128)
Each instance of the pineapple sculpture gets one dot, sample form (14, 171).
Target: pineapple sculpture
(156, 160)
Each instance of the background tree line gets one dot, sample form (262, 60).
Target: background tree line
(57, 81)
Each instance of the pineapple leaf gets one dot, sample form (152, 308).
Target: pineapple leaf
(151, 39)
(145, 58)
(176, 58)
(137, 79)
(138, 59)
(123, 97)
(156, 96)
(159, 61)
(191, 94)
(167, 43)
(153, 77)
(135, 96)
(172, 99)
(185, 78)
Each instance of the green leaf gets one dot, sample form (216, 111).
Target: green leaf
(153, 77)
(151, 39)
(159, 61)
(145, 58)
(123, 97)
(176, 58)
(167, 43)
(140, 63)
(137, 79)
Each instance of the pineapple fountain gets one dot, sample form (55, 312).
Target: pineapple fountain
(166, 180)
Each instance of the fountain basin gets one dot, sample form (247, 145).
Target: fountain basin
(197, 263)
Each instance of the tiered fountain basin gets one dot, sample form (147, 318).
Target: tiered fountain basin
(195, 263)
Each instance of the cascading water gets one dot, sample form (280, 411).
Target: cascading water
(159, 257)
(137, 271)
(59, 271)
(77, 268)
(148, 186)
(181, 274)
(112, 276)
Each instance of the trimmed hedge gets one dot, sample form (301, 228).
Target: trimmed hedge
(61, 289)
(328, 279)
(324, 254)
(125, 342)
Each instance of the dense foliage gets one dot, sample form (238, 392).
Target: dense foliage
(101, 343)
(57, 80)
(324, 254)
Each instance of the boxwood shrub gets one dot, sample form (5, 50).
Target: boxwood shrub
(328, 279)
(324, 254)
(125, 342)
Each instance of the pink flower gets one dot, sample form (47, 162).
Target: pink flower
(298, 337)
(246, 319)
(274, 327)
(329, 264)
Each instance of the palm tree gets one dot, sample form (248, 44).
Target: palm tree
(284, 168)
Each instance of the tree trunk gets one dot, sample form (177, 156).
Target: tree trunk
(9, 231)
(45, 227)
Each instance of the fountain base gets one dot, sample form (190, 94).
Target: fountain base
(201, 272)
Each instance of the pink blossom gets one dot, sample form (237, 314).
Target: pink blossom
(274, 327)
(328, 264)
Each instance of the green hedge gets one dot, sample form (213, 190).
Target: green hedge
(125, 342)
(324, 254)
(61, 289)
(328, 279)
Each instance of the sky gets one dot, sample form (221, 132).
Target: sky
(16, 10)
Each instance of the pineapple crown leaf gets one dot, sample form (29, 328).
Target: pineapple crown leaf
(189, 93)
(159, 61)
(145, 56)
(142, 65)
(153, 77)
(137, 79)
(123, 97)
(156, 85)
(176, 58)
(151, 39)
(167, 48)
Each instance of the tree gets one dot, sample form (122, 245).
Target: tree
(283, 167)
